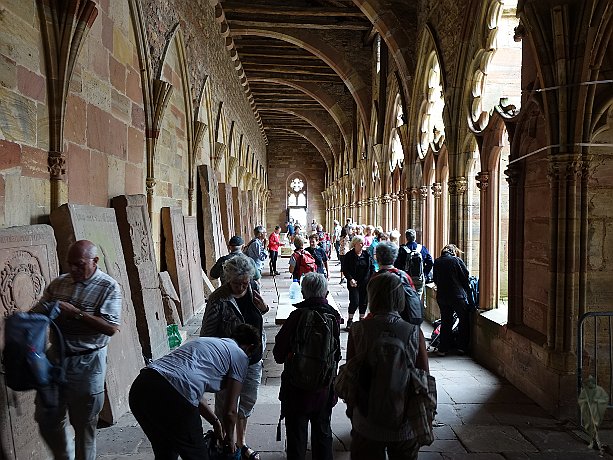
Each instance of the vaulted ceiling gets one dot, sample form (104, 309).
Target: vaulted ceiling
(308, 66)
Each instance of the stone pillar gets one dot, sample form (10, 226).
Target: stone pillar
(489, 240)
(515, 178)
(227, 210)
(458, 211)
(564, 172)
(437, 217)
(421, 218)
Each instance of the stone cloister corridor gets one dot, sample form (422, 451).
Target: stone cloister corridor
(160, 129)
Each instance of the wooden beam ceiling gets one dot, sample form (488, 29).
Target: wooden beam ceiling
(269, 58)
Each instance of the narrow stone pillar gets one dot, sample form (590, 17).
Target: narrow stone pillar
(488, 246)
(458, 211)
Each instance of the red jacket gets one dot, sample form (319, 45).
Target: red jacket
(273, 242)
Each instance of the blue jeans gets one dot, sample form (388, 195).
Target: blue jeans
(81, 398)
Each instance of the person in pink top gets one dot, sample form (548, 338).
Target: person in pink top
(368, 236)
(273, 250)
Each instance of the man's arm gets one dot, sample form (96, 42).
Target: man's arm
(207, 414)
(400, 261)
(97, 323)
(230, 411)
(427, 258)
(215, 272)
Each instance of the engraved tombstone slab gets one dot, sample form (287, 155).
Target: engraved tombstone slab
(210, 233)
(28, 263)
(194, 263)
(176, 259)
(226, 209)
(72, 222)
(245, 217)
(236, 209)
(137, 242)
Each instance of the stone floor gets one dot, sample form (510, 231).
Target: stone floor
(480, 416)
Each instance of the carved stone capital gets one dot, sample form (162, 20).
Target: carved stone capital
(564, 167)
(512, 173)
(483, 180)
(457, 185)
(437, 189)
(423, 192)
(56, 164)
(150, 185)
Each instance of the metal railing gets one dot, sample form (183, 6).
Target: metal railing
(601, 350)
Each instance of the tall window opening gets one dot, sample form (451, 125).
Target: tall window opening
(474, 216)
(297, 199)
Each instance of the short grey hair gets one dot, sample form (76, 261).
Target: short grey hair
(386, 253)
(298, 242)
(356, 239)
(238, 266)
(411, 235)
(314, 285)
(258, 230)
(385, 293)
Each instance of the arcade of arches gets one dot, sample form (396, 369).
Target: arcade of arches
(486, 123)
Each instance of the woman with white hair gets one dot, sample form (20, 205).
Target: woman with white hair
(371, 440)
(235, 302)
(358, 267)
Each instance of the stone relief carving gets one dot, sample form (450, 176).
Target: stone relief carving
(21, 282)
(142, 250)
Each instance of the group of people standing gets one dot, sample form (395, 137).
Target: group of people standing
(167, 398)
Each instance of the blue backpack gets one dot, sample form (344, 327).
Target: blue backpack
(26, 365)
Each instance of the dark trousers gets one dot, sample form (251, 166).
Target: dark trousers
(296, 429)
(447, 326)
(357, 298)
(171, 423)
(273, 260)
(363, 448)
(337, 248)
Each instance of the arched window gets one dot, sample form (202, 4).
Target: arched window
(474, 216)
(431, 118)
(297, 198)
(397, 152)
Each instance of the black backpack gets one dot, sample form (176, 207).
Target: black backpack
(414, 264)
(313, 360)
(412, 312)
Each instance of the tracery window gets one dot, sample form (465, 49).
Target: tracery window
(432, 127)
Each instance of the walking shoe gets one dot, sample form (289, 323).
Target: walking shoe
(441, 353)
(277, 273)
(348, 326)
(342, 281)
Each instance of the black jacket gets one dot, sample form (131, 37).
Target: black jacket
(451, 278)
(357, 268)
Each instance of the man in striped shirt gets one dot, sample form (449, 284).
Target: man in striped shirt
(90, 304)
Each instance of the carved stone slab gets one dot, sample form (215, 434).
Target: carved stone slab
(28, 263)
(210, 234)
(137, 242)
(226, 209)
(176, 260)
(236, 209)
(170, 299)
(245, 217)
(72, 222)
(194, 263)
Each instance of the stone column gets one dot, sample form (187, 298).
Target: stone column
(488, 247)
(564, 172)
(515, 178)
(421, 218)
(436, 218)
(458, 211)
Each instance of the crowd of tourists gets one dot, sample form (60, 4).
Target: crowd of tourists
(387, 363)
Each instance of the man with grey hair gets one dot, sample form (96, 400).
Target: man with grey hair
(256, 249)
(300, 406)
(90, 304)
(415, 259)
